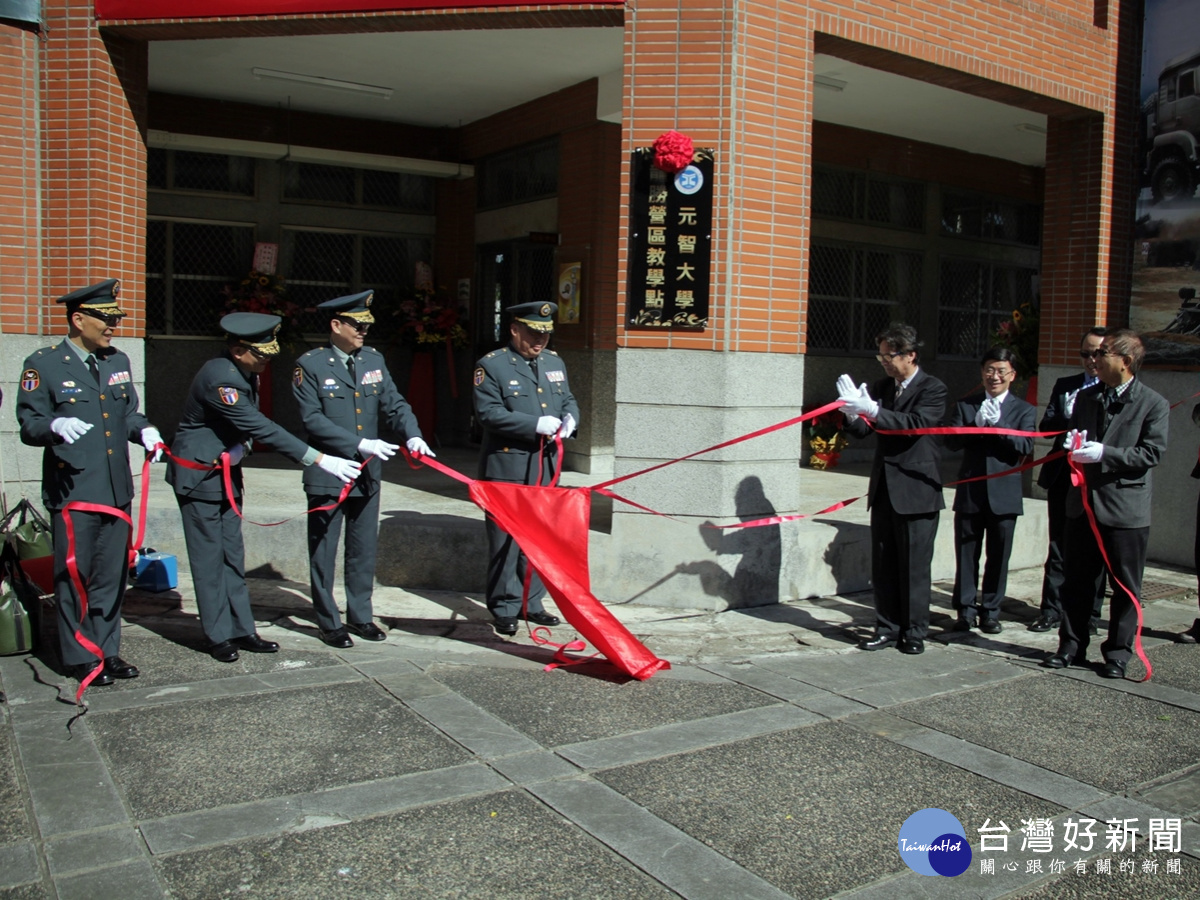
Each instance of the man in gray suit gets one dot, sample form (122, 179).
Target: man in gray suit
(905, 491)
(522, 400)
(1122, 435)
(344, 391)
(986, 511)
(78, 401)
(221, 416)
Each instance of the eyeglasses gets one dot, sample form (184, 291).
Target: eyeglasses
(360, 327)
(1000, 373)
(1084, 354)
(111, 320)
(884, 357)
(258, 354)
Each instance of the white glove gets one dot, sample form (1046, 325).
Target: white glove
(150, 440)
(345, 469)
(1069, 440)
(568, 426)
(988, 414)
(861, 404)
(236, 452)
(418, 447)
(1088, 452)
(846, 387)
(1069, 402)
(377, 447)
(69, 428)
(548, 425)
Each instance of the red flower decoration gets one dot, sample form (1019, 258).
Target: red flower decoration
(673, 152)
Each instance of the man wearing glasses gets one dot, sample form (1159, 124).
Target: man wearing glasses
(985, 512)
(1055, 478)
(77, 400)
(221, 416)
(905, 492)
(344, 391)
(1118, 435)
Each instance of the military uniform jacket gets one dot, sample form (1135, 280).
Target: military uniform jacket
(337, 413)
(95, 469)
(987, 454)
(909, 464)
(1136, 437)
(508, 403)
(222, 410)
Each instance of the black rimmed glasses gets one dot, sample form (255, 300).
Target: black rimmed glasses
(888, 357)
(1092, 354)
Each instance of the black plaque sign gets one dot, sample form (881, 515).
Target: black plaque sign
(670, 236)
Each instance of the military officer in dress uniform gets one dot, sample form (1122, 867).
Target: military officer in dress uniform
(221, 415)
(78, 401)
(522, 400)
(344, 391)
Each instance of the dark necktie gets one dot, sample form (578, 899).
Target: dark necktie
(94, 369)
(1108, 399)
(899, 391)
(533, 368)
(350, 367)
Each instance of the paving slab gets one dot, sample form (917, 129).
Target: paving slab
(815, 810)
(263, 745)
(566, 706)
(14, 823)
(1069, 726)
(33, 891)
(504, 845)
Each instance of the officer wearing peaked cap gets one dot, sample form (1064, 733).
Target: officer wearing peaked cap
(221, 416)
(345, 393)
(522, 400)
(77, 400)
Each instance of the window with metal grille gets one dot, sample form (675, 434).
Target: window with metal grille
(973, 299)
(321, 265)
(187, 265)
(846, 194)
(518, 176)
(344, 186)
(976, 216)
(184, 170)
(856, 292)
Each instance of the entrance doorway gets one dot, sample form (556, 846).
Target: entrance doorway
(510, 272)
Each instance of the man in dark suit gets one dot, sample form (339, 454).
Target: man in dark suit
(985, 512)
(344, 392)
(77, 401)
(1055, 478)
(1121, 433)
(221, 416)
(905, 491)
(522, 400)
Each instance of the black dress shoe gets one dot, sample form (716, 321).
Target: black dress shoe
(543, 618)
(505, 625)
(1191, 636)
(1055, 662)
(991, 626)
(223, 652)
(368, 630)
(1112, 670)
(255, 644)
(83, 670)
(1044, 623)
(339, 638)
(912, 646)
(964, 623)
(879, 642)
(118, 668)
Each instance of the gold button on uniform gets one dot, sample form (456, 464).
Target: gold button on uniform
(106, 415)
(101, 396)
(543, 406)
(108, 434)
(360, 428)
(110, 452)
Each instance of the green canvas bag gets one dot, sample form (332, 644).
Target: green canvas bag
(16, 631)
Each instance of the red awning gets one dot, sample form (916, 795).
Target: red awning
(203, 9)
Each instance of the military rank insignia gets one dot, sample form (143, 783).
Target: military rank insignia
(375, 376)
(297, 376)
(229, 395)
(118, 378)
(30, 380)
(555, 375)
(478, 376)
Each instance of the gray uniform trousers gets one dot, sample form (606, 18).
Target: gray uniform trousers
(362, 540)
(102, 555)
(216, 557)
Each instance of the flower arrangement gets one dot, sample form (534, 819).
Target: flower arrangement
(425, 320)
(826, 439)
(1019, 333)
(263, 292)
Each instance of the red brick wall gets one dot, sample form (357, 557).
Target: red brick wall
(19, 250)
(95, 161)
(738, 79)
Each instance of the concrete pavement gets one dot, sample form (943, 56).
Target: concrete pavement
(773, 760)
